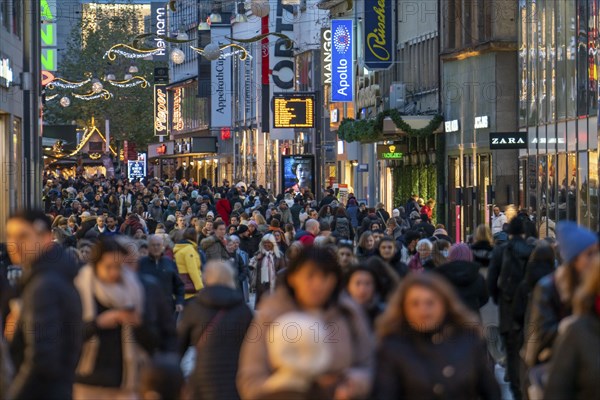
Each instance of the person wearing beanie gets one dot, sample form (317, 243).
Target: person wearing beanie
(462, 273)
(552, 299)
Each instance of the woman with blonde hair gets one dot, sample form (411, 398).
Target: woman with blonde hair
(267, 262)
(482, 245)
(430, 345)
(260, 221)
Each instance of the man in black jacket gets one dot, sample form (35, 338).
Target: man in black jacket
(165, 272)
(47, 335)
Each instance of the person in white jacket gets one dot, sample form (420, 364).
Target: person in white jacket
(498, 220)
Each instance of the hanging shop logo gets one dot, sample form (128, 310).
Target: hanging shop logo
(379, 49)
(177, 119)
(221, 82)
(161, 110)
(136, 169)
(49, 59)
(326, 56)
(451, 126)
(159, 27)
(391, 151)
(342, 77)
(6, 72)
(481, 122)
(508, 140)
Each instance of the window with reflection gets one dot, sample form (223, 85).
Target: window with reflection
(572, 187)
(571, 47)
(582, 58)
(583, 189)
(561, 61)
(523, 67)
(593, 191)
(563, 186)
(533, 39)
(550, 26)
(592, 57)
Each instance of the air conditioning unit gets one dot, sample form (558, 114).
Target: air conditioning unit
(397, 96)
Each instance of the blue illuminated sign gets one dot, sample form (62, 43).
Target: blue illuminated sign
(342, 71)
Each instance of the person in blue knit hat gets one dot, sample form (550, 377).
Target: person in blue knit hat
(553, 295)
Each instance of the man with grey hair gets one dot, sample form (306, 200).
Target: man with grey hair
(312, 229)
(164, 270)
(239, 265)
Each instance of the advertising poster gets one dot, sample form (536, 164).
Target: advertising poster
(342, 76)
(136, 170)
(298, 172)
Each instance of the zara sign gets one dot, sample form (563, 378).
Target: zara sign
(508, 140)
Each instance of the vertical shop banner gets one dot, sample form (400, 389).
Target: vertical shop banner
(161, 111)
(342, 75)
(281, 61)
(220, 81)
(379, 46)
(326, 56)
(158, 15)
(49, 56)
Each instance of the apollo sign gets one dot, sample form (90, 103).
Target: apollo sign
(342, 71)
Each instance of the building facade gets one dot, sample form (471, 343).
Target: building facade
(479, 97)
(558, 109)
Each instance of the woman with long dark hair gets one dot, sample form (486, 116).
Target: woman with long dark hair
(312, 284)
(430, 345)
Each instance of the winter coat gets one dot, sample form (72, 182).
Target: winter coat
(546, 311)
(131, 226)
(217, 347)
(351, 350)
(342, 228)
(482, 253)
(367, 221)
(164, 270)
(575, 373)
(505, 274)
(188, 262)
(224, 209)
(45, 364)
(352, 212)
(250, 244)
(383, 215)
(278, 264)
(159, 322)
(415, 365)
(295, 211)
(214, 248)
(467, 281)
(156, 212)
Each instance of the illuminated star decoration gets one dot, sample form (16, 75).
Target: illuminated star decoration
(104, 94)
(65, 84)
(135, 81)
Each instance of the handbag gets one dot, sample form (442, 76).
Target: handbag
(188, 284)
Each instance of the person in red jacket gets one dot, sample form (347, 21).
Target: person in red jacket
(223, 208)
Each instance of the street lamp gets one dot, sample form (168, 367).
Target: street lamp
(215, 18)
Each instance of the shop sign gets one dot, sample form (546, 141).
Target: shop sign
(391, 151)
(326, 56)
(342, 72)
(554, 140)
(177, 124)
(481, 122)
(161, 149)
(158, 12)
(205, 144)
(136, 169)
(451, 126)
(379, 46)
(6, 72)
(363, 167)
(508, 140)
(221, 82)
(161, 111)
(49, 43)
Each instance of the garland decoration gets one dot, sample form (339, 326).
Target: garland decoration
(371, 130)
(135, 81)
(104, 94)
(289, 43)
(65, 84)
(129, 52)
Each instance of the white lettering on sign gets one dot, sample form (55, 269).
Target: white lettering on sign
(342, 71)
(481, 122)
(6, 73)
(177, 117)
(451, 126)
(508, 140)
(161, 25)
(326, 49)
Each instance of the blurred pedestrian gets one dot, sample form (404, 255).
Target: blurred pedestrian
(188, 263)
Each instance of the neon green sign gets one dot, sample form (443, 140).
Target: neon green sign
(48, 35)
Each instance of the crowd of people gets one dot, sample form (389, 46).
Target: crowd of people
(107, 289)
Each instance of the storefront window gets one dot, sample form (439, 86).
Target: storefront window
(582, 58)
(552, 188)
(563, 186)
(592, 58)
(534, 90)
(593, 191)
(571, 43)
(550, 25)
(561, 64)
(584, 184)
(572, 187)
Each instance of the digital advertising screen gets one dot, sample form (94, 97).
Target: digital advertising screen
(298, 171)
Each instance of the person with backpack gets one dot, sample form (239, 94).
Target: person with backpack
(506, 273)
(341, 225)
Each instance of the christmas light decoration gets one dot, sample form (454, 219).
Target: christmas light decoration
(104, 94)
(128, 51)
(131, 82)
(65, 84)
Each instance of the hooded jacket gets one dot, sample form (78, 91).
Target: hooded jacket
(45, 364)
(217, 347)
(214, 248)
(224, 209)
(188, 262)
(467, 281)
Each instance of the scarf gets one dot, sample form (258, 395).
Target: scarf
(127, 293)
(267, 272)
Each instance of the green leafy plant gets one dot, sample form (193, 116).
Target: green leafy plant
(371, 130)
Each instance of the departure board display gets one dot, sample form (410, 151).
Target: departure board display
(294, 111)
